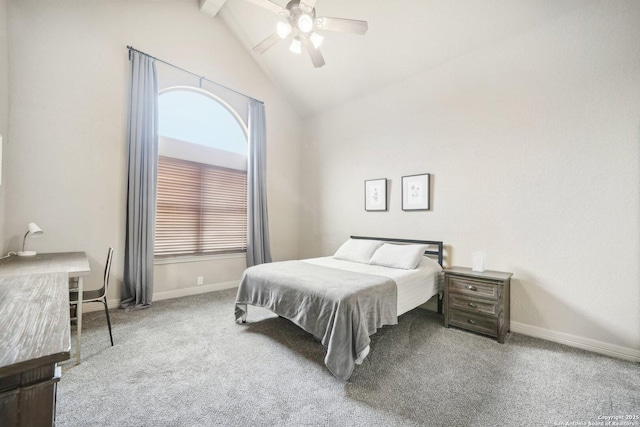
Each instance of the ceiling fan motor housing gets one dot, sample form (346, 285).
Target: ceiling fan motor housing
(301, 17)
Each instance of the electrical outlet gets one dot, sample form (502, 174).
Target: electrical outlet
(200, 280)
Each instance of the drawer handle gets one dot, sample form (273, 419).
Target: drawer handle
(472, 305)
(473, 322)
(472, 288)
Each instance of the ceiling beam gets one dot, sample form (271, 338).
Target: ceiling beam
(211, 7)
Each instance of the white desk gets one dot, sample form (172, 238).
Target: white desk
(75, 264)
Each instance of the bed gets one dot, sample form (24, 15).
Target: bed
(343, 299)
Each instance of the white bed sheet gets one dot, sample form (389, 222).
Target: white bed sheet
(415, 287)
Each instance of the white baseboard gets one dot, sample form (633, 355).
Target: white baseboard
(176, 293)
(195, 290)
(576, 341)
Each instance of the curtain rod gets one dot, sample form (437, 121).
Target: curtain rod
(131, 48)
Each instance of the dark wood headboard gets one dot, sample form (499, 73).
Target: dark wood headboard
(438, 253)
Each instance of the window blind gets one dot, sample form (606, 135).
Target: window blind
(201, 209)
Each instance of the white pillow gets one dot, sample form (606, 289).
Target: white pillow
(357, 250)
(406, 257)
(427, 262)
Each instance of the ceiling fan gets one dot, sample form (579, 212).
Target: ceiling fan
(302, 24)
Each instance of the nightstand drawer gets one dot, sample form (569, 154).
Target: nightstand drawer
(474, 305)
(472, 322)
(463, 285)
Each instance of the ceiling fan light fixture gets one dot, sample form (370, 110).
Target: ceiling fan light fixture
(296, 46)
(305, 23)
(316, 39)
(283, 29)
(298, 21)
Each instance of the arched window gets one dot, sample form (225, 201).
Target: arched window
(195, 116)
(202, 175)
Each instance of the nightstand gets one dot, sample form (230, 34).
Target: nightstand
(477, 302)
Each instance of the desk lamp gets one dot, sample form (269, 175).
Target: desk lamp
(33, 230)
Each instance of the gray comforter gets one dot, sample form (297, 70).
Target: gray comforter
(341, 308)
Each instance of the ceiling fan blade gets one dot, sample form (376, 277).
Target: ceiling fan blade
(271, 6)
(267, 43)
(343, 25)
(316, 56)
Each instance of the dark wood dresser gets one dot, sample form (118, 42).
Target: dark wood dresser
(34, 337)
(477, 301)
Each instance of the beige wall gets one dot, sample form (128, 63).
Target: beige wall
(66, 164)
(534, 147)
(4, 105)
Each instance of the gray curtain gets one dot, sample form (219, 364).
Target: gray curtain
(142, 140)
(258, 249)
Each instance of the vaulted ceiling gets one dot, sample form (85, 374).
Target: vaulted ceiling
(405, 37)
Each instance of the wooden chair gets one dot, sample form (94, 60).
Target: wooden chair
(96, 295)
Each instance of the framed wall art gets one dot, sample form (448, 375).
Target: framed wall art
(375, 195)
(415, 192)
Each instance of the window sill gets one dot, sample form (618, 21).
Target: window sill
(198, 258)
